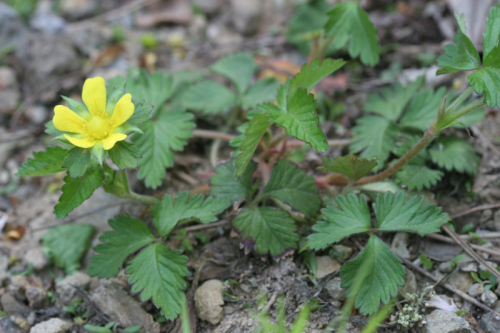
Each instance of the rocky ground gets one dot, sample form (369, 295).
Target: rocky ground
(51, 50)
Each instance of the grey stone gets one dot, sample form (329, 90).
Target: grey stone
(491, 263)
(246, 15)
(208, 301)
(13, 307)
(66, 287)
(54, 325)
(10, 95)
(489, 298)
(335, 290)
(17, 286)
(399, 245)
(470, 267)
(119, 306)
(476, 290)
(37, 258)
(7, 325)
(490, 323)
(4, 266)
(77, 9)
(12, 30)
(209, 7)
(37, 297)
(410, 286)
(344, 252)
(440, 321)
(445, 267)
(45, 20)
(325, 265)
(461, 280)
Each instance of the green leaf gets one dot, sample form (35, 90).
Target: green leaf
(462, 56)
(67, 244)
(129, 236)
(44, 163)
(77, 162)
(391, 101)
(423, 108)
(451, 152)
(349, 24)
(487, 81)
(161, 137)
(351, 166)
(79, 108)
(353, 217)
(142, 113)
(394, 215)
(133, 329)
(262, 91)
(238, 68)
(208, 96)
(125, 155)
(271, 230)
(491, 36)
(158, 274)
(418, 177)
(256, 128)
(310, 75)
(291, 185)
(426, 261)
(77, 190)
(228, 186)
(384, 275)
(167, 212)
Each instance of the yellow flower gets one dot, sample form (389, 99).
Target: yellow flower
(100, 125)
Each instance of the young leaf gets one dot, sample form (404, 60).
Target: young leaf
(142, 113)
(418, 176)
(351, 166)
(208, 96)
(77, 162)
(67, 244)
(422, 109)
(292, 186)
(167, 212)
(168, 133)
(158, 274)
(125, 155)
(226, 184)
(491, 37)
(271, 230)
(256, 128)
(310, 75)
(451, 152)
(262, 91)
(77, 190)
(487, 81)
(129, 236)
(352, 219)
(349, 24)
(44, 163)
(381, 282)
(394, 215)
(238, 68)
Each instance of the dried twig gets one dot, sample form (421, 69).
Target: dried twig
(476, 209)
(475, 247)
(474, 323)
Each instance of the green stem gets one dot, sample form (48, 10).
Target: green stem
(459, 100)
(295, 217)
(449, 119)
(214, 150)
(142, 198)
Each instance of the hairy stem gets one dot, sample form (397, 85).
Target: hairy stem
(142, 198)
(295, 217)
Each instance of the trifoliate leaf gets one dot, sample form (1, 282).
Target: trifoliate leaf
(262, 91)
(125, 155)
(142, 113)
(491, 36)
(208, 96)
(67, 244)
(291, 185)
(167, 212)
(256, 128)
(44, 163)
(271, 230)
(310, 75)
(422, 110)
(228, 186)
(77, 161)
(181, 78)
(487, 82)
(77, 190)
(391, 102)
(129, 236)
(394, 215)
(158, 274)
(451, 152)
(349, 24)
(418, 177)
(238, 68)
(352, 218)
(462, 56)
(166, 134)
(353, 167)
(381, 278)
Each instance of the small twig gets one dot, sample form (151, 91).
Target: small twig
(270, 303)
(212, 135)
(96, 311)
(475, 247)
(474, 323)
(482, 236)
(476, 209)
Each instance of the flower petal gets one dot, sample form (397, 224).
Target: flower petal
(82, 143)
(124, 109)
(94, 95)
(110, 141)
(68, 121)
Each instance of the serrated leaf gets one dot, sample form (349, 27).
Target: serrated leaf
(129, 235)
(491, 36)
(272, 230)
(256, 128)
(228, 186)
(462, 56)
(44, 163)
(77, 161)
(353, 167)
(422, 110)
(142, 113)
(291, 185)
(238, 68)
(67, 244)
(349, 24)
(161, 137)
(158, 274)
(391, 102)
(394, 215)
(77, 190)
(382, 277)
(125, 155)
(451, 152)
(310, 75)
(418, 177)
(487, 82)
(262, 91)
(208, 96)
(353, 217)
(167, 212)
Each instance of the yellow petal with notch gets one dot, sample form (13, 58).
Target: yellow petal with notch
(68, 121)
(94, 95)
(124, 109)
(82, 143)
(110, 141)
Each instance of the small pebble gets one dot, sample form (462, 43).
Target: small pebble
(489, 298)
(476, 290)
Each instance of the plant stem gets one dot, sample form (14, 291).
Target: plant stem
(295, 217)
(142, 198)
(459, 100)
(214, 150)
(213, 135)
(466, 109)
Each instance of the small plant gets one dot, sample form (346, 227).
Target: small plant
(412, 314)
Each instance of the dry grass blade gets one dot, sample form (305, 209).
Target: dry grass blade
(475, 247)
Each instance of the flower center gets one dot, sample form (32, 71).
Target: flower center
(98, 128)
